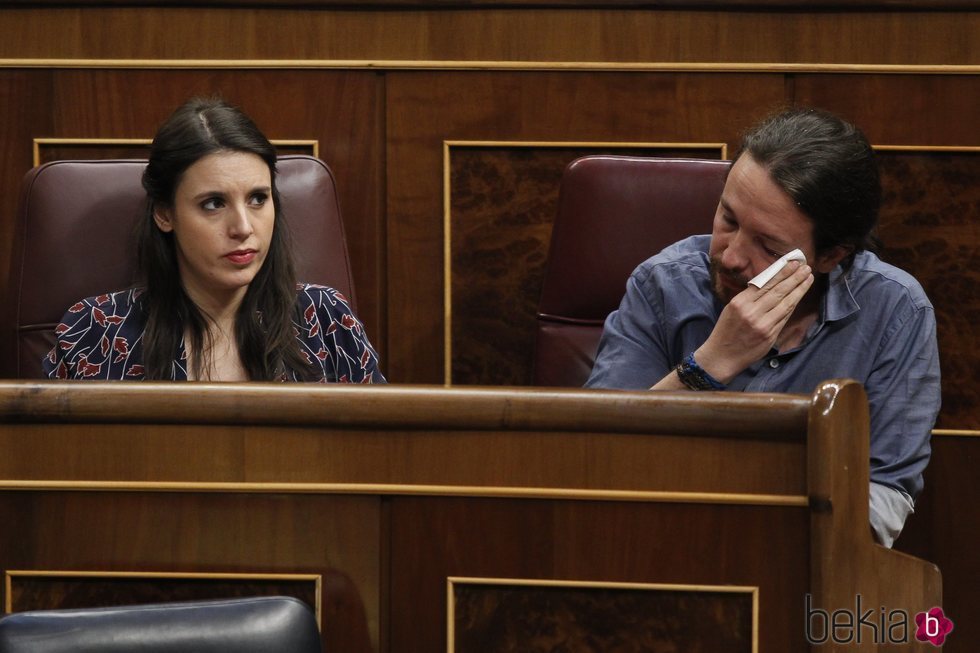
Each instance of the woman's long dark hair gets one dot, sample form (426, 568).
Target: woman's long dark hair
(264, 330)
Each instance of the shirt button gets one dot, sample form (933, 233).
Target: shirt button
(773, 363)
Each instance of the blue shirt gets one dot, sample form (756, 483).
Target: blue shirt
(875, 325)
(102, 338)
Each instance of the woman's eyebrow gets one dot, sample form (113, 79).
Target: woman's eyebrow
(208, 193)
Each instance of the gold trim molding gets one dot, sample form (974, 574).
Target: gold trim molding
(577, 494)
(48, 573)
(447, 146)
(543, 66)
(38, 143)
(452, 581)
(961, 149)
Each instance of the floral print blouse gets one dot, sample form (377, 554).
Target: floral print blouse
(102, 337)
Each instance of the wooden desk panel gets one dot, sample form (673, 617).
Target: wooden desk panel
(608, 543)
(945, 529)
(390, 493)
(106, 533)
(298, 459)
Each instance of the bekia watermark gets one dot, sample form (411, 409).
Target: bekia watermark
(882, 626)
(933, 626)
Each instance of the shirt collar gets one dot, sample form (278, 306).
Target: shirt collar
(839, 301)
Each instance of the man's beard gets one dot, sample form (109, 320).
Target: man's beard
(723, 292)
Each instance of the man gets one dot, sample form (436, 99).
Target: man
(689, 320)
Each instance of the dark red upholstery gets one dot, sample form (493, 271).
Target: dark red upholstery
(75, 238)
(614, 212)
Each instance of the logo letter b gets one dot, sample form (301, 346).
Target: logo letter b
(820, 619)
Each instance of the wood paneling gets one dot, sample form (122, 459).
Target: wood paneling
(494, 34)
(527, 616)
(21, 93)
(336, 537)
(899, 109)
(946, 527)
(929, 5)
(587, 542)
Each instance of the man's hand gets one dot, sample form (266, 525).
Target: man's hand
(752, 321)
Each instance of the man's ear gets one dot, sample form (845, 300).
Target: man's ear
(163, 217)
(828, 260)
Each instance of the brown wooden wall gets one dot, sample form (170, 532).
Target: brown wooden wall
(463, 115)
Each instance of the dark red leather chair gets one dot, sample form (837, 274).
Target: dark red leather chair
(75, 239)
(614, 212)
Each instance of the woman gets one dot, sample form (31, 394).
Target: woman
(218, 299)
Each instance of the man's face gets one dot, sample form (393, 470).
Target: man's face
(756, 222)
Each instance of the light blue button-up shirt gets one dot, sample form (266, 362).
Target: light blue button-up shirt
(875, 325)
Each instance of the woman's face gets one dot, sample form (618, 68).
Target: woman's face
(222, 220)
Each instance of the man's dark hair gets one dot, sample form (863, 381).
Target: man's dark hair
(827, 167)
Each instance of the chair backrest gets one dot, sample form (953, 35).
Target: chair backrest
(252, 625)
(74, 238)
(614, 212)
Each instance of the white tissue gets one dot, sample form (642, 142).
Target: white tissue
(763, 277)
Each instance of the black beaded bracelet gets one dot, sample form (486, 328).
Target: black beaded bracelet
(695, 377)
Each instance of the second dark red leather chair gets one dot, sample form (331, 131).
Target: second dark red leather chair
(614, 212)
